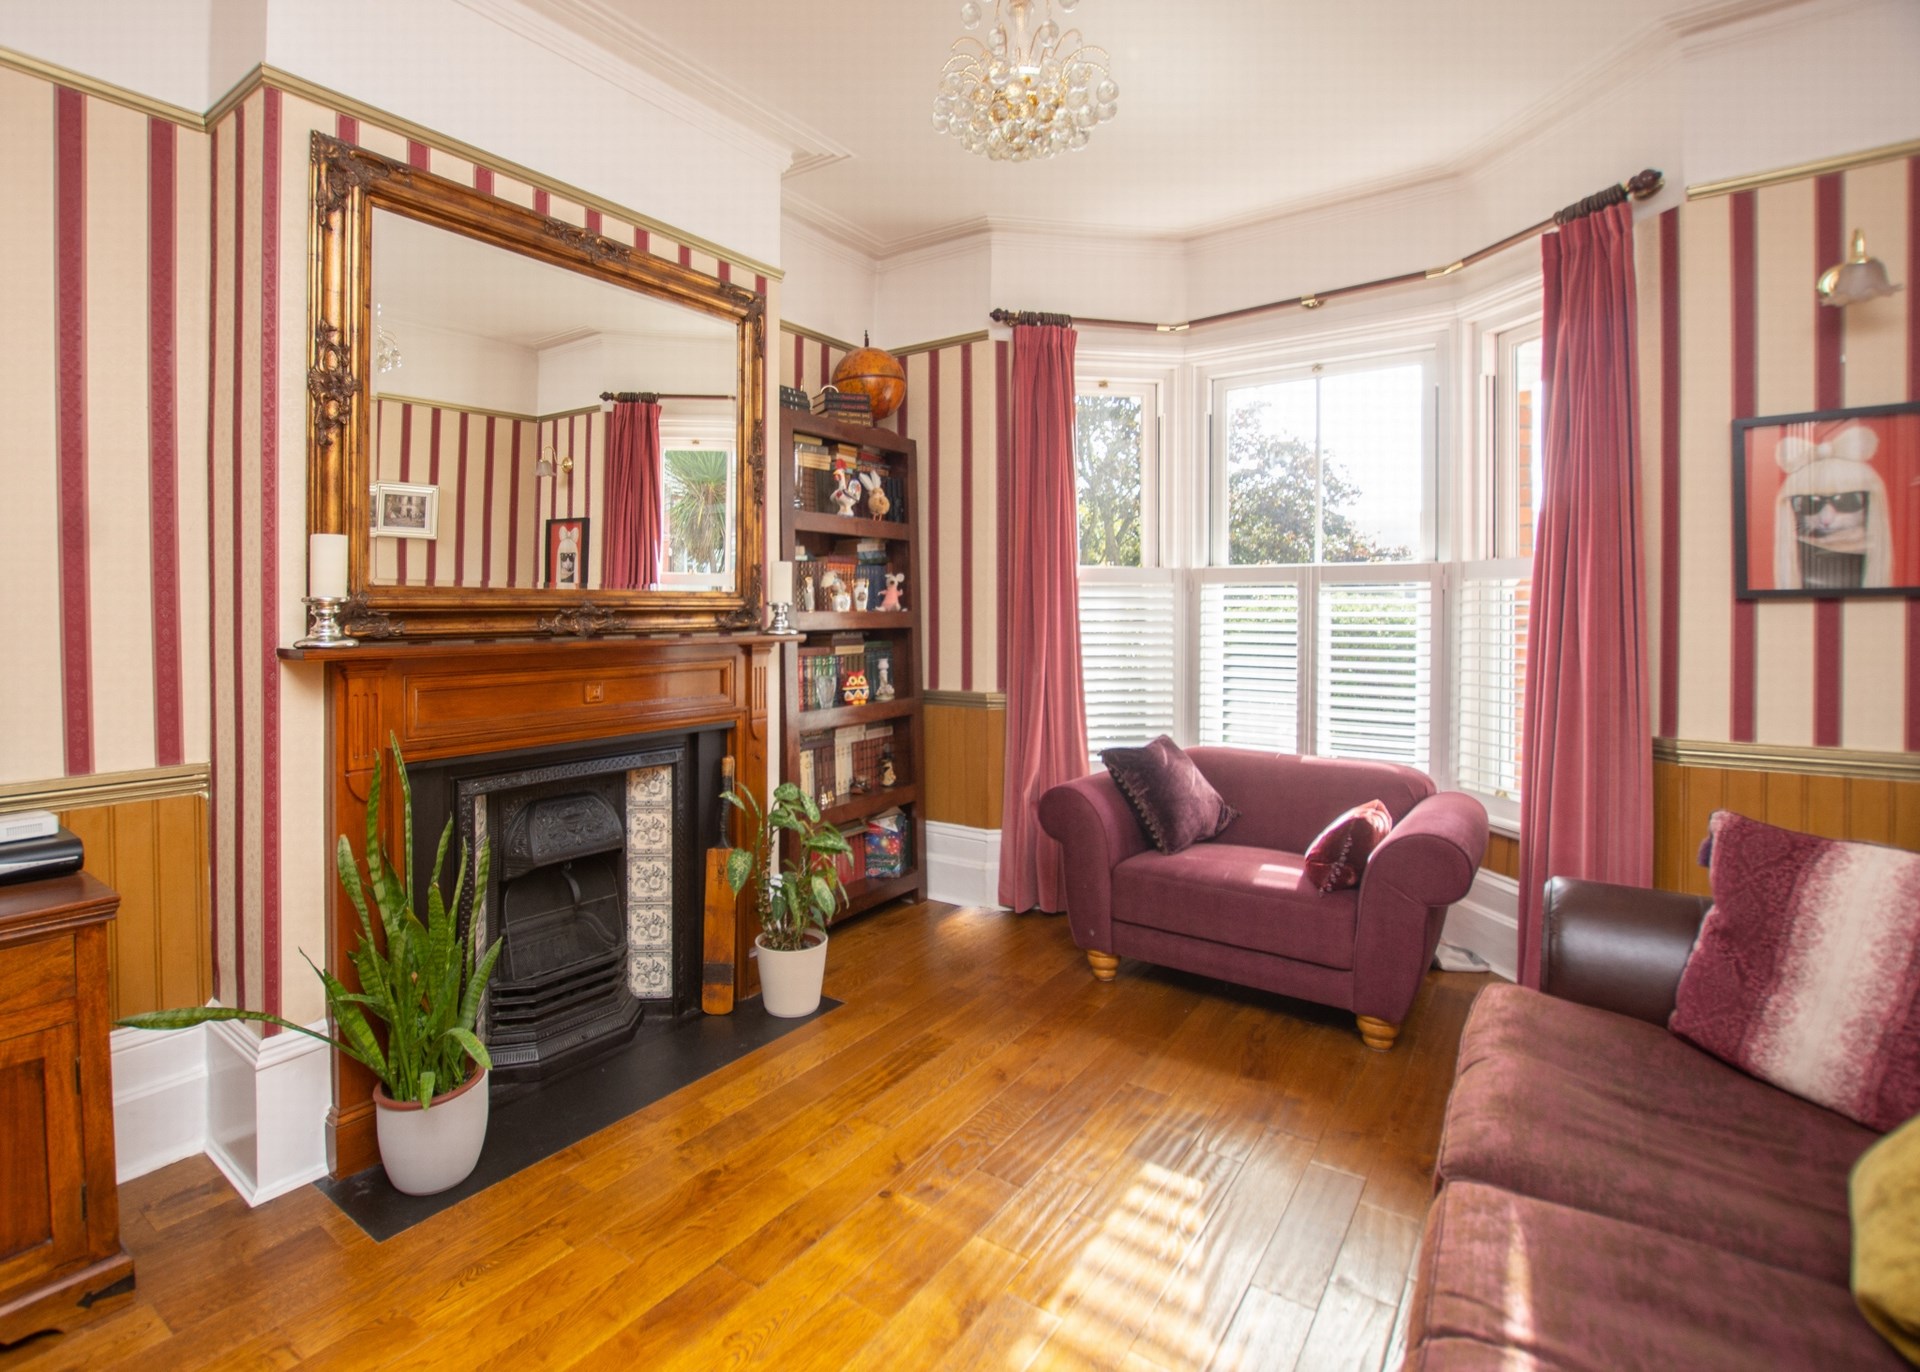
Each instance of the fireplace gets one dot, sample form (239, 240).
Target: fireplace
(593, 890)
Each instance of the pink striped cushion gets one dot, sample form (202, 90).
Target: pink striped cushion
(1807, 969)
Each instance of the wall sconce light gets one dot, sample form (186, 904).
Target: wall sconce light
(1859, 278)
(544, 467)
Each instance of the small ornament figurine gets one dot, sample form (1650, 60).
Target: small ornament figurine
(834, 591)
(884, 691)
(861, 593)
(827, 797)
(855, 692)
(846, 494)
(877, 502)
(887, 774)
(890, 598)
(803, 595)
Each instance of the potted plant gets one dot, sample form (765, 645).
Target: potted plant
(424, 983)
(796, 903)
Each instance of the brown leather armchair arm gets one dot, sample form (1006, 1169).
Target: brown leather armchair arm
(1620, 948)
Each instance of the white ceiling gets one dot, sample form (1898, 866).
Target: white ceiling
(1230, 110)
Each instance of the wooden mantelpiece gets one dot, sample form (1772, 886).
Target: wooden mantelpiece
(451, 700)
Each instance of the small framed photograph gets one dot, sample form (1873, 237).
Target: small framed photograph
(401, 510)
(1827, 504)
(567, 554)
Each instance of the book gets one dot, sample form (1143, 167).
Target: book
(886, 845)
(793, 398)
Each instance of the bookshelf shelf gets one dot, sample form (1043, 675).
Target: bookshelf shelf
(851, 736)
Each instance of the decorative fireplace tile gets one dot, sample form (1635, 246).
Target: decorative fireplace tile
(650, 882)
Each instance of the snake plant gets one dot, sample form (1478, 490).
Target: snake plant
(422, 981)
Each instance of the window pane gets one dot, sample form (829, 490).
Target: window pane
(1373, 464)
(1126, 661)
(1249, 683)
(1529, 411)
(1374, 683)
(697, 481)
(1490, 659)
(1272, 473)
(1107, 463)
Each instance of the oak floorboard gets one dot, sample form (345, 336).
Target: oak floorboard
(984, 1158)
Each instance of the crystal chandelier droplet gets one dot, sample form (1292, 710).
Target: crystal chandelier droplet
(1030, 90)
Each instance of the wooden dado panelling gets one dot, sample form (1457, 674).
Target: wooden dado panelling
(1503, 856)
(966, 762)
(1873, 809)
(154, 853)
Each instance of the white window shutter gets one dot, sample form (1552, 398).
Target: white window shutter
(1490, 652)
(1127, 660)
(1249, 680)
(1374, 683)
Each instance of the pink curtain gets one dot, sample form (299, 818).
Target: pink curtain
(1587, 763)
(1046, 713)
(636, 520)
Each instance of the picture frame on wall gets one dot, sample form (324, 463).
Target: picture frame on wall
(1827, 504)
(566, 544)
(404, 510)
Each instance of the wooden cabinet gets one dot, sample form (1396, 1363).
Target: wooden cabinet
(816, 720)
(59, 1213)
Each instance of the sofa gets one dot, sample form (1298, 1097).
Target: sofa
(1239, 907)
(1609, 1197)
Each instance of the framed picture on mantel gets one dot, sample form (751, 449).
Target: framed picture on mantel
(567, 554)
(1827, 503)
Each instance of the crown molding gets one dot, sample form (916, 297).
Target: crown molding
(625, 48)
(828, 226)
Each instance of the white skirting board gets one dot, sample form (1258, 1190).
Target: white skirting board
(1487, 922)
(256, 1106)
(963, 865)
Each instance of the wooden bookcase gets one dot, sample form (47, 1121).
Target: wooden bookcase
(825, 533)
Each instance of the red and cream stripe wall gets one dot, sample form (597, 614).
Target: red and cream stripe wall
(1730, 328)
(807, 360)
(104, 525)
(153, 536)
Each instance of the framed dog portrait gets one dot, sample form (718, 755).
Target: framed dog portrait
(1827, 504)
(566, 554)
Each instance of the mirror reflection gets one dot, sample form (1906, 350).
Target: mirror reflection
(536, 428)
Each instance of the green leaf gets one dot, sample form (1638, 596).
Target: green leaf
(739, 869)
(475, 1049)
(193, 1016)
(426, 1089)
(823, 900)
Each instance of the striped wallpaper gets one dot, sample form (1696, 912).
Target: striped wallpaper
(154, 536)
(1730, 328)
(103, 532)
(491, 503)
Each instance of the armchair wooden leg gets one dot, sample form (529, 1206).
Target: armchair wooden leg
(1104, 965)
(1377, 1034)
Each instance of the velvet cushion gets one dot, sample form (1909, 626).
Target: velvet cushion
(1885, 1193)
(1176, 806)
(1336, 859)
(1618, 1117)
(1239, 898)
(1807, 969)
(1509, 1282)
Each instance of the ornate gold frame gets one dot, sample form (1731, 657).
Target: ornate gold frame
(349, 183)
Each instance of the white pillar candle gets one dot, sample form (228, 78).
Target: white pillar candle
(327, 566)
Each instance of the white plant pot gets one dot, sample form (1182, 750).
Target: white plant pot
(790, 981)
(425, 1151)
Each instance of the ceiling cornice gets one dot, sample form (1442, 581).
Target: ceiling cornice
(595, 26)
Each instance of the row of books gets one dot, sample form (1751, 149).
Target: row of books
(816, 468)
(793, 398)
(814, 578)
(846, 666)
(852, 406)
(855, 759)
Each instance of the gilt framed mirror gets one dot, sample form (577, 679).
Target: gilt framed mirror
(487, 385)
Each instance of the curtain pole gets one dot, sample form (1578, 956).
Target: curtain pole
(1640, 186)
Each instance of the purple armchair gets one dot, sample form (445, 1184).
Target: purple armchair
(1240, 908)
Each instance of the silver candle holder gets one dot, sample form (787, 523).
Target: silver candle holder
(782, 623)
(323, 624)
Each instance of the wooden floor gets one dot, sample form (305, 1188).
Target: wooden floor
(984, 1159)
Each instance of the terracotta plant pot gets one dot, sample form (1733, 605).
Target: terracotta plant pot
(425, 1151)
(790, 981)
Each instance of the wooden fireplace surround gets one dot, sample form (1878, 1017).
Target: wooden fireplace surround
(447, 700)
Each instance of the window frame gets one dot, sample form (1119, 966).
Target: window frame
(686, 432)
(1152, 524)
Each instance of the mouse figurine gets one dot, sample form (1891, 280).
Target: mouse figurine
(890, 598)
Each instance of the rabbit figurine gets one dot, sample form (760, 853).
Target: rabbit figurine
(877, 502)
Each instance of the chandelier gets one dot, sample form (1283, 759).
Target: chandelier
(1028, 90)
(386, 348)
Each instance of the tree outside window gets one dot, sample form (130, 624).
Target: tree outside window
(1107, 466)
(696, 493)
